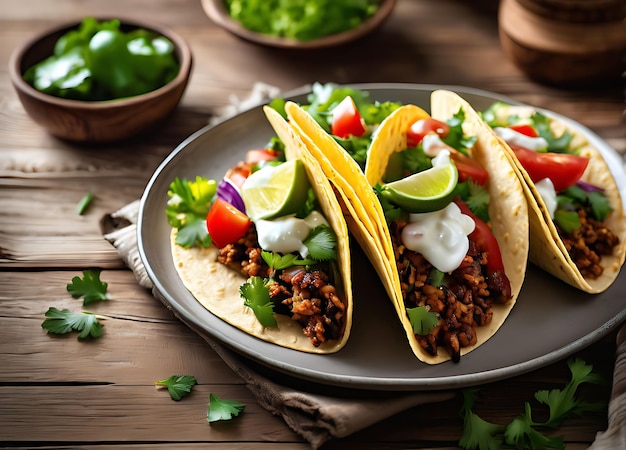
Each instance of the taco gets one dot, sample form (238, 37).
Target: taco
(444, 316)
(577, 223)
(281, 274)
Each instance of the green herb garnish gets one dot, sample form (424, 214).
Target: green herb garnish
(178, 385)
(256, 296)
(422, 319)
(188, 205)
(84, 203)
(64, 321)
(89, 287)
(221, 409)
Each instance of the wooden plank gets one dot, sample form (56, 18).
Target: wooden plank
(142, 341)
(121, 413)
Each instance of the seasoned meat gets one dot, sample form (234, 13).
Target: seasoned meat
(463, 301)
(307, 296)
(588, 244)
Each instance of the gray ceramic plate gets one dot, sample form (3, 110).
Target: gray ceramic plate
(550, 320)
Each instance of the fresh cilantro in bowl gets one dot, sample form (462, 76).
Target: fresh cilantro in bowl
(302, 20)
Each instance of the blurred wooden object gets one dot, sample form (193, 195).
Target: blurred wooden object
(565, 42)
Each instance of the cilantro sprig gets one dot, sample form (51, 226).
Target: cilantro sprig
(89, 287)
(256, 296)
(188, 205)
(422, 319)
(574, 198)
(222, 409)
(524, 432)
(178, 386)
(65, 321)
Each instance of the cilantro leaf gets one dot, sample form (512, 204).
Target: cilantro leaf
(476, 197)
(563, 402)
(322, 243)
(84, 203)
(600, 206)
(568, 221)
(188, 205)
(90, 287)
(523, 431)
(422, 319)
(256, 296)
(220, 409)
(65, 321)
(456, 138)
(178, 385)
(560, 144)
(282, 262)
(477, 433)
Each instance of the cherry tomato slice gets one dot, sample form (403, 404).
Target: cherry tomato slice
(225, 223)
(422, 127)
(347, 120)
(525, 129)
(562, 168)
(469, 168)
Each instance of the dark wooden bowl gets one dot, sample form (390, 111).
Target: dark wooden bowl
(97, 121)
(216, 10)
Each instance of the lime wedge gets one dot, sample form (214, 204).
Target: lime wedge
(275, 191)
(429, 190)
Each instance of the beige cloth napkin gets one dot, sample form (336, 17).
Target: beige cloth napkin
(317, 418)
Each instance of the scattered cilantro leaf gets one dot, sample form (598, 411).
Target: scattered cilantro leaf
(599, 204)
(309, 205)
(477, 433)
(90, 287)
(84, 203)
(188, 205)
(523, 431)
(322, 243)
(476, 197)
(422, 319)
(568, 221)
(257, 297)
(178, 385)
(64, 321)
(221, 409)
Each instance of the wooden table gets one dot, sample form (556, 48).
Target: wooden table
(58, 392)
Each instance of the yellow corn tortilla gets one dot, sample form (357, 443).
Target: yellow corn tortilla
(508, 206)
(546, 247)
(216, 286)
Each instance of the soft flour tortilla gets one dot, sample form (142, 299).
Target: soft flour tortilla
(509, 210)
(216, 286)
(546, 247)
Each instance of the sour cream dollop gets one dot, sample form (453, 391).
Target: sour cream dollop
(514, 137)
(546, 190)
(287, 234)
(441, 236)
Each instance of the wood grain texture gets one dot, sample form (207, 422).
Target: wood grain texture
(58, 392)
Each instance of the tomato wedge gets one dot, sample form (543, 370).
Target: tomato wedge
(238, 174)
(225, 223)
(469, 168)
(347, 120)
(562, 169)
(483, 236)
(422, 127)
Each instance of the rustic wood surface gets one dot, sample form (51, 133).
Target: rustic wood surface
(58, 392)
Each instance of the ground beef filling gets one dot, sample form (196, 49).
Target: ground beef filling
(306, 296)
(463, 301)
(588, 244)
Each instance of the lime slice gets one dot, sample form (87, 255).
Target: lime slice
(275, 191)
(429, 190)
